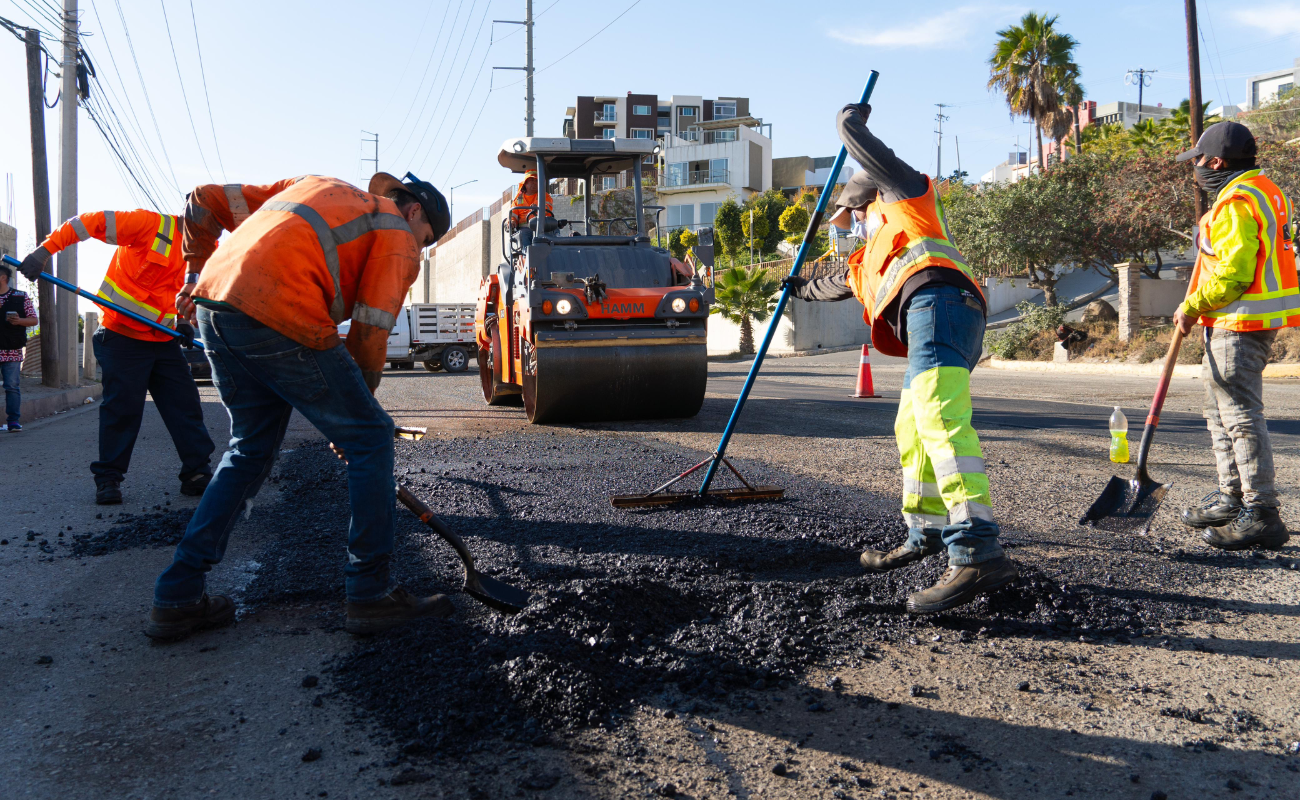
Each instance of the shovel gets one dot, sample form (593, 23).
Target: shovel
(487, 590)
(1127, 506)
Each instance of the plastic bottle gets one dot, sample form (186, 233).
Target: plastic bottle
(1118, 437)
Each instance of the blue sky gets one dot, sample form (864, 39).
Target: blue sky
(292, 83)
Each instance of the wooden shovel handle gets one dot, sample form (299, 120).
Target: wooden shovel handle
(1158, 401)
(426, 515)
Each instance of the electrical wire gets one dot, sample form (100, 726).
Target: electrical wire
(420, 87)
(207, 99)
(580, 45)
(450, 102)
(420, 123)
(42, 14)
(414, 47)
(461, 114)
(185, 96)
(1215, 37)
(148, 103)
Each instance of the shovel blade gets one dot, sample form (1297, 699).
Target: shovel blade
(495, 594)
(1126, 505)
(756, 494)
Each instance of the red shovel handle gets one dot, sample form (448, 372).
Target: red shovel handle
(1158, 401)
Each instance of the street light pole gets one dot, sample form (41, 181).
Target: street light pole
(452, 201)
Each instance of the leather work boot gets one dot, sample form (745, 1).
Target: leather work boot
(194, 485)
(1254, 527)
(1216, 508)
(108, 493)
(398, 607)
(901, 556)
(171, 624)
(960, 585)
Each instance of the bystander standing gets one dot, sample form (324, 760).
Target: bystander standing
(16, 316)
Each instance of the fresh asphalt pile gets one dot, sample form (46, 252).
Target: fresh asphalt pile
(158, 528)
(682, 608)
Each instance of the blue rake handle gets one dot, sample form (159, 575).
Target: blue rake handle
(804, 248)
(62, 284)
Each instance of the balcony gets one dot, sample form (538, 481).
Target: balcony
(609, 117)
(699, 177)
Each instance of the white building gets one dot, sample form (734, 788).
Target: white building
(1266, 87)
(716, 160)
(1015, 168)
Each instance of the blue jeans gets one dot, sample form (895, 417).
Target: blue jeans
(945, 338)
(262, 376)
(11, 371)
(132, 369)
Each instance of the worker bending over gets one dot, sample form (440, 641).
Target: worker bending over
(145, 275)
(920, 303)
(269, 303)
(1243, 290)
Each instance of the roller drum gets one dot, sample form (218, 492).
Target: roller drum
(615, 382)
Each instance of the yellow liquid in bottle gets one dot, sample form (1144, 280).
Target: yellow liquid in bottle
(1119, 447)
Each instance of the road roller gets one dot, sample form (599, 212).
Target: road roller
(589, 320)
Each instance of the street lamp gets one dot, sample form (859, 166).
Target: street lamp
(452, 201)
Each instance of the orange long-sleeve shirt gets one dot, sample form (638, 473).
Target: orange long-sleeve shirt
(213, 208)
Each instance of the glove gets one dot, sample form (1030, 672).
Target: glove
(863, 109)
(34, 264)
(187, 333)
(794, 283)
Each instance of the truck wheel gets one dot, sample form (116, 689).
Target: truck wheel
(433, 365)
(494, 392)
(455, 359)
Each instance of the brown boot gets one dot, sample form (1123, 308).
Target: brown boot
(398, 607)
(901, 556)
(960, 585)
(171, 624)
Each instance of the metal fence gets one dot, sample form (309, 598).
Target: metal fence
(697, 177)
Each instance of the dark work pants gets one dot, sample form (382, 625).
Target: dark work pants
(133, 367)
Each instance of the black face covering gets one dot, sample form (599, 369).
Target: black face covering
(1213, 180)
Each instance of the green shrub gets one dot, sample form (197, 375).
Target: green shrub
(1017, 340)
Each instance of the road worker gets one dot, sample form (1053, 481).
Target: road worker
(922, 303)
(269, 302)
(525, 202)
(144, 276)
(1243, 291)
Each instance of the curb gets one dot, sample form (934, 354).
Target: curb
(46, 405)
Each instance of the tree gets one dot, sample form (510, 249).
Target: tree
(1276, 120)
(727, 228)
(794, 221)
(754, 223)
(1030, 63)
(743, 296)
(771, 204)
(675, 244)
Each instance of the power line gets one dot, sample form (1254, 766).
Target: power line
(443, 91)
(580, 46)
(414, 47)
(206, 98)
(425, 74)
(459, 82)
(148, 103)
(184, 95)
(461, 115)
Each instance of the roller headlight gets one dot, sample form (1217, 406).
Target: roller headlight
(679, 305)
(563, 307)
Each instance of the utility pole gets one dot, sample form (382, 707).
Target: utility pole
(41, 196)
(1142, 77)
(527, 69)
(938, 157)
(957, 141)
(375, 141)
(67, 270)
(1197, 120)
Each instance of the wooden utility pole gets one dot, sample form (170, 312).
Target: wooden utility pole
(1197, 120)
(41, 195)
(67, 269)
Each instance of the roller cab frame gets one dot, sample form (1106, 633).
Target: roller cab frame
(598, 324)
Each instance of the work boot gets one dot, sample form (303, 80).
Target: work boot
(960, 584)
(1253, 527)
(901, 556)
(194, 485)
(171, 624)
(108, 493)
(398, 607)
(1216, 508)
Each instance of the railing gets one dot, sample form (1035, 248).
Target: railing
(697, 177)
(607, 116)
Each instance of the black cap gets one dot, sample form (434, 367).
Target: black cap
(1226, 140)
(434, 204)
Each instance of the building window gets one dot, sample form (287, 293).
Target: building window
(724, 109)
(677, 173)
(642, 133)
(718, 170)
(611, 112)
(608, 182)
(707, 212)
(686, 111)
(664, 125)
(641, 111)
(610, 133)
(728, 135)
(681, 216)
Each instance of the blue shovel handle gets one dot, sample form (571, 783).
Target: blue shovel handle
(62, 284)
(804, 248)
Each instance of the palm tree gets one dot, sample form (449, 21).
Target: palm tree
(743, 295)
(1029, 65)
(1102, 137)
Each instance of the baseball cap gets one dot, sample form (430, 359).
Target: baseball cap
(1227, 140)
(434, 204)
(860, 191)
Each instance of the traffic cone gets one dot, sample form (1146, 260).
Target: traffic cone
(865, 386)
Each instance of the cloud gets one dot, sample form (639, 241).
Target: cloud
(1276, 19)
(949, 28)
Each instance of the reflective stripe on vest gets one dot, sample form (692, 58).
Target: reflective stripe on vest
(110, 227)
(235, 200)
(113, 293)
(373, 317)
(918, 249)
(1271, 307)
(162, 240)
(331, 238)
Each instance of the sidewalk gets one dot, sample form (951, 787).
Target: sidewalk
(41, 401)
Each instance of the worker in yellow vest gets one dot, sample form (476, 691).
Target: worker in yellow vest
(921, 303)
(1243, 290)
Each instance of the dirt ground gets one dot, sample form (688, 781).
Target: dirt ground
(707, 652)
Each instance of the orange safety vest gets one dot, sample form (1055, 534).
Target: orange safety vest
(525, 204)
(904, 238)
(146, 271)
(213, 208)
(1272, 300)
(319, 252)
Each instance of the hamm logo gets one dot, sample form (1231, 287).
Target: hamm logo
(622, 308)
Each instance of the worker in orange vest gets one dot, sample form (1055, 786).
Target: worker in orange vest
(144, 276)
(1244, 290)
(269, 302)
(525, 202)
(922, 303)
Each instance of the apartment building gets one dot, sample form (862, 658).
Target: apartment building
(647, 116)
(798, 174)
(1266, 87)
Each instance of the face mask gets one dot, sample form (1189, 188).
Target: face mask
(1213, 180)
(859, 229)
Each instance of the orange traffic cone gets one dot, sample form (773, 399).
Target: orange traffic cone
(865, 386)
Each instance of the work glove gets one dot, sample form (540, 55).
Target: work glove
(186, 331)
(34, 264)
(794, 283)
(863, 109)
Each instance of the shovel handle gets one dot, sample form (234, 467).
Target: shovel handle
(426, 515)
(1158, 401)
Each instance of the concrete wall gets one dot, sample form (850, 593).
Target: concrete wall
(806, 326)
(461, 264)
(1160, 298)
(1004, 294)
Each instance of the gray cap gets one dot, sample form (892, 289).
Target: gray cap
(860, 191)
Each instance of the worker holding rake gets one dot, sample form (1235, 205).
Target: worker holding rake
(921, 303)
